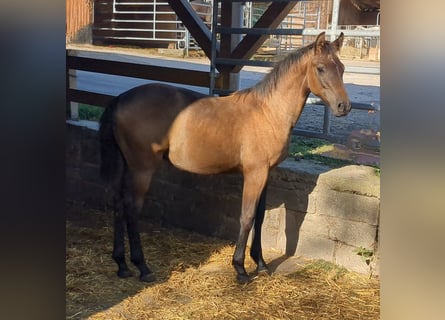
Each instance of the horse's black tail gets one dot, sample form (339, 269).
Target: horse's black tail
(111, 159)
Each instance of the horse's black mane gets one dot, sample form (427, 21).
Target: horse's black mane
(270, 81)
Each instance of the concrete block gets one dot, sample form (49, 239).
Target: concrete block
(352, 179)
(313, 247)
(346, 257)
(90, 172)
(90, 147)
(74, 188)
(96, 196)
(73, 154)
(353, 233)
(292, 231)
(316, 225)
(348, 206)
(296, 200)
(72, 172)
(273, 226)
(312, 202)
(228, 229)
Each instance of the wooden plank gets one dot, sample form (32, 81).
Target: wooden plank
(142, 71)
(271, 18)
(194, 24)
(91, 98)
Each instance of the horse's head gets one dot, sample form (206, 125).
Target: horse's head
(325, 75)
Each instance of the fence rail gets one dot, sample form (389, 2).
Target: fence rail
(134, 70)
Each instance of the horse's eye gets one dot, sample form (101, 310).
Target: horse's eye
(321, 69)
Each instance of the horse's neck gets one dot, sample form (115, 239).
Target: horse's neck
(289, 98)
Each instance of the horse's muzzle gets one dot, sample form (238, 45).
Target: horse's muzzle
(343, 108)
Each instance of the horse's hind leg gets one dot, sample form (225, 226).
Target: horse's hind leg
(119, 234)
(140, 181)
(256, 251)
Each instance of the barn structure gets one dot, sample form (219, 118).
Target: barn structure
(156, 24)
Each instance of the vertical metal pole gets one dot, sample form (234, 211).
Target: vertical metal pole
(334, 22)
(154, 19)
(334, 25)
(187, 42)
(213, 52)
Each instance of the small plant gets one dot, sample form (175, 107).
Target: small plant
(88, 112)
(321, 267)
(367, 255)
(313, 149)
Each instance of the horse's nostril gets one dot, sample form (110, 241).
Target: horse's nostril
(341, 107)
(344, 107)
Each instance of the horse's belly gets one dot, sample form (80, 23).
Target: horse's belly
(201, 161)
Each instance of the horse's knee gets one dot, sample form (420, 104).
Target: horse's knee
(246, 223)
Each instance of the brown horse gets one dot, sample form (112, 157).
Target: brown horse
(134, 120)
(247, 131)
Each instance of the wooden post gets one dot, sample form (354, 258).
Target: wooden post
(72, 83)
(237, 22)
(231, 16)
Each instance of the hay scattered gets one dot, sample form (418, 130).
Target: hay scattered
(196, 281)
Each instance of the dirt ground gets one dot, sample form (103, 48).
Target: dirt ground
(195, 279)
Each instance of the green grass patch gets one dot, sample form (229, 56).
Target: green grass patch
(318, 267)
(89, 112)
(312, 149)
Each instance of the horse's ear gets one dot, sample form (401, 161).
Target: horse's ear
(338, 43)
(319, 43)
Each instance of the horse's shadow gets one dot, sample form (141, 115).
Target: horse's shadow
(210, 205)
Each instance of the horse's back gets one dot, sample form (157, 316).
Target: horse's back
(144, 115)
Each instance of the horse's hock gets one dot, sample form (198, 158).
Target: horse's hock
(312, 211)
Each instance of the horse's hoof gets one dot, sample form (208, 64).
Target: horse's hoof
(148, 277)
(260, 271)
(243, 278)
(125, 273)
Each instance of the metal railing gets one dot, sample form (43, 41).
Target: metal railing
(155, 28)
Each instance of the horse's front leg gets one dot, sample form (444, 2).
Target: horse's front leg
(254, 182)
(256, 251)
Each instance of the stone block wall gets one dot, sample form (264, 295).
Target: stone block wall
(312, 211)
